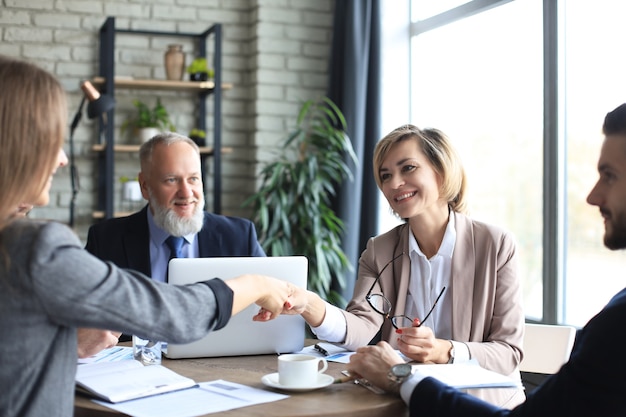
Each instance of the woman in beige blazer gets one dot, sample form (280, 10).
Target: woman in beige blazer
(454, 275)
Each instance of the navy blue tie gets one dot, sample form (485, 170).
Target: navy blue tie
(175, 243)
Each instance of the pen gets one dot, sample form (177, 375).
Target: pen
(320, 349)
(359, 381)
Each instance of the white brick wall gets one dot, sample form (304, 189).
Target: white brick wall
(275, 53)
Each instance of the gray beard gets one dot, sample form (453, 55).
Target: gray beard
(169, 221)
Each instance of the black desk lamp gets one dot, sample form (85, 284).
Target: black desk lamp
(99, 105)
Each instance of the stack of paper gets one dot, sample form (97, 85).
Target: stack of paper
(467, 375)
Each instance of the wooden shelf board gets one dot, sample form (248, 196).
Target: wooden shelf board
(204, 150)
(100, 214)
(123, 82)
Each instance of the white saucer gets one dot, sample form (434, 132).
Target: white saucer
(271, 380)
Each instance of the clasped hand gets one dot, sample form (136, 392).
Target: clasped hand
(280, 301)
(421, 345)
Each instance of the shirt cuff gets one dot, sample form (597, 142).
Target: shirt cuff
(407, 387)
(461, 352)
(333, 327)
(223, 301)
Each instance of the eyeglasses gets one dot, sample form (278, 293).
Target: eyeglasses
(383, 306)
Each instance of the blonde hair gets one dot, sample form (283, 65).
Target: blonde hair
(441, 155)
(33, 123)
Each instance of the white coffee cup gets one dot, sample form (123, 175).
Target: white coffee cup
(300, 371)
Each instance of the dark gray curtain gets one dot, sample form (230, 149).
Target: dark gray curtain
(355, 86)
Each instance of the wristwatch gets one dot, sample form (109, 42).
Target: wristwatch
(400, 373)
(451, 352)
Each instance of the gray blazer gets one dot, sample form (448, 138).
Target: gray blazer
(487, 312)
(52, 286)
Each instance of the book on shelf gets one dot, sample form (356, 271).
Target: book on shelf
(128, 380)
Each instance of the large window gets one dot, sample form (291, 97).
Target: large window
(479, 77)
(479, 80)
(593, 68)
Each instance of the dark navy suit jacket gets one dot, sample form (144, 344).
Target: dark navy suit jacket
(591, 383)
(125, 240)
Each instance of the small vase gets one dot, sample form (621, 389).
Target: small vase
(146, 133)
(174, 62)
(198, 140)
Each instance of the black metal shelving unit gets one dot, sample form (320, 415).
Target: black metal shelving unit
(106, 157)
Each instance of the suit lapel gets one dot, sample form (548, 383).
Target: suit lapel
(206, 245)
(402, 276)
(462, 282)
(137, 242)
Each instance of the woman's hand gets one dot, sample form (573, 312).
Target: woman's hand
(275, 297)
(298, 301)
(421, 345)
(92, 341)
(271, 294)
(306, 303)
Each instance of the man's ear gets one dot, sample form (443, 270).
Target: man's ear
(143, 183)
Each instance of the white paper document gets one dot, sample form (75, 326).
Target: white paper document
(127, 380)
(332, 353)
(113, 354)
(207, 397)
(467, 375)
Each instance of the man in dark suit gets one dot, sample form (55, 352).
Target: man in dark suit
(592, 382)
(171, 181)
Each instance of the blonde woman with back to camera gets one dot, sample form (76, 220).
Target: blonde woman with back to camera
(49, 285)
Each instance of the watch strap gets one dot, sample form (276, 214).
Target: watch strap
(451, 352)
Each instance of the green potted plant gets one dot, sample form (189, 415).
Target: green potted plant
(292, 206)
(199, 71)
(149, 121)
(198, 136)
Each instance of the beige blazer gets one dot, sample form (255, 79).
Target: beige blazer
(487, 313)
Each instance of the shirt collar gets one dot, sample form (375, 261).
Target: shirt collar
(446, 248)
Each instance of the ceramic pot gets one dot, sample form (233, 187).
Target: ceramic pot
(199, 76)
(146, 133)
(174, 62)
(198, 140)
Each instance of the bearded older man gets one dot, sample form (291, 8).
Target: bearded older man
(171, 181)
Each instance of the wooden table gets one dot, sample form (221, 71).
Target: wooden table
(345, 399)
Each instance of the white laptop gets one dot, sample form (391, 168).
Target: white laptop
(242, 336)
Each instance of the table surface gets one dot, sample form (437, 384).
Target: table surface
(347, 399)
